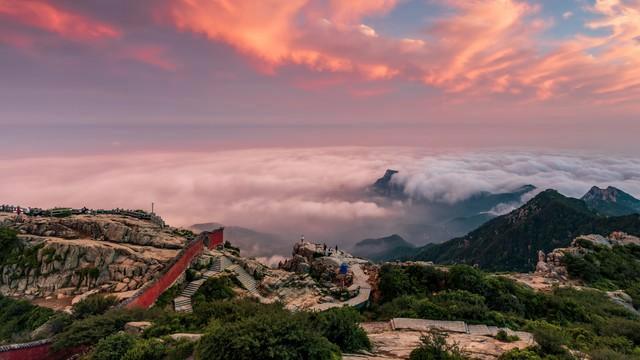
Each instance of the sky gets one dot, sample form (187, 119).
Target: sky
(101, 77)
(276, 114)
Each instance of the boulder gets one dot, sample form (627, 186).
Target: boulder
(136, 327)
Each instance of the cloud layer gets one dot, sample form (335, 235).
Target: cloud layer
(317, 192)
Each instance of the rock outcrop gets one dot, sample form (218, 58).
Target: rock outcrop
(74, 254)
(552, 266)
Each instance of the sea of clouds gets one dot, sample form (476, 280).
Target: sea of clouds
(318, 192)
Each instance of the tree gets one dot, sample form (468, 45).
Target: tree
(113, 347)
(8, 241)
(434, 346)
(90, 330)
(146, 349)
(217, 288)
(341, 326)
(18, 318)
(96, 304)
(266, 337)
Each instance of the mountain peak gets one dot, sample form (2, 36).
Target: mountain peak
(384, 186)
(609, 194)
(611, 201)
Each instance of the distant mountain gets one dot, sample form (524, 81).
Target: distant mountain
(510, 242)
(385, 187)
(383, 249)
(430, 221)
(250, 242)
(611, 201)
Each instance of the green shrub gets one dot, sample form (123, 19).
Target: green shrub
(113, 347)
(8, 241)
(90, 330)
(266, 337)
(146, 349)
(341, 326)
(18, 318)
(550, 338)
(96, 304)
(434, 346)
(504, 337)
(217, 288)
(180, 350)
(520, 354)
(395, 282)
(166, 298)
(59, 322)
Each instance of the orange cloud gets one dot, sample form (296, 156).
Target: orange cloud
(482, 48)
(49, 18)
(477, 49)
(270, 30)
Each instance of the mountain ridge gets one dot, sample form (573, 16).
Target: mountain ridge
(510, 242)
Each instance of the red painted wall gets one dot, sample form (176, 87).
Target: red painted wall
(151, 294)
(40, 352)
(32, 353)
(216, 237)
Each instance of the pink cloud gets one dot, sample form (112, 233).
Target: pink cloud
(481, 49)
(44, 16)
(475, 50)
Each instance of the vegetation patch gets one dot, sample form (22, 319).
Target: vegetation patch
(584, 320)
(18, 318)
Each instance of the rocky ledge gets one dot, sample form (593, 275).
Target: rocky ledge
(74, 254)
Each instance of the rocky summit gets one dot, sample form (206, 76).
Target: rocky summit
(72, 255)
(611, 201)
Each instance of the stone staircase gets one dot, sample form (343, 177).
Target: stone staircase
(183, 302)
(247, 281)
(220, 263)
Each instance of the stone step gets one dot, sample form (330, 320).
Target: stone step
(209, 273)
(182, 304)
(247, 281)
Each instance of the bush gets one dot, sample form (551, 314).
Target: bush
(394, 282)
(504, 337)
(434, 346)
(341, 326)
(462, 305)
(18, 318)
(217, 288)
(550, 338)
(8, 241)
(90, 330)
(180, 350)
(146, 349)
(113, 347)
(166, 298)
(96, 304)
(59, 322)
(520, 354)
(266, 337)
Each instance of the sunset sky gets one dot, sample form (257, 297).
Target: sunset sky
(115, 75)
